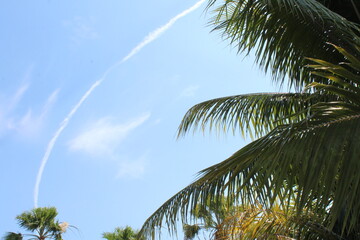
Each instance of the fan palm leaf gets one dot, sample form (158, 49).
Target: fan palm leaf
(42, 223)
(313, 154)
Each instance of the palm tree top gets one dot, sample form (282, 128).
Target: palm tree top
(41, 223)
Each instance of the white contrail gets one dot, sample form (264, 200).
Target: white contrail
(148, 39)
(155, 34)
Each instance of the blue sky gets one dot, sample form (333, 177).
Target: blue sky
(118, 159)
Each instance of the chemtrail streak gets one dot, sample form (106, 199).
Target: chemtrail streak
(148, 39)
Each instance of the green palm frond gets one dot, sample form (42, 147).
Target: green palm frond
(282, 32)
(313, 157)
(255, 114)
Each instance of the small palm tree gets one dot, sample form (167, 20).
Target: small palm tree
(41, 223)
(126, 233)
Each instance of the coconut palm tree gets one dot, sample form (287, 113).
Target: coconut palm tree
(307, 147)
(41, 223)
(306, 141)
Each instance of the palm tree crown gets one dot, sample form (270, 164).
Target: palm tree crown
(306, 142)
(42, 224)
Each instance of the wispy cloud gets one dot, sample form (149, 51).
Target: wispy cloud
(190, 91)
(132, 169)
(104, 136)
(81, 29)
(15, 99)
(25, 124)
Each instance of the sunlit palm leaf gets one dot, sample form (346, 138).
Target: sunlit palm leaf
(256, 114)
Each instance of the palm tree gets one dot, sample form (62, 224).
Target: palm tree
(126, 233)
(308, 148)
(41, 222)
(307, 141)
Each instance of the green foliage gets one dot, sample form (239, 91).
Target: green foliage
(190, 231)
(209, 216)
(39, 219)
(126, 233)
(41, 222)
(283, 32)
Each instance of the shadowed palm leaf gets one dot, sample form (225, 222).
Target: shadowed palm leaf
(282, 32)
(311, 151)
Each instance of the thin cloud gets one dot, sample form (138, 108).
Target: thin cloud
(26, 124)
(190, 91)
(103, 137)
(151, 37)
(81, 29)
(132, 169)
(17, 96)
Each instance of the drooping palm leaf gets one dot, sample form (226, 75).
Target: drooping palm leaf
(256, 114)
(259, 172)
(282, 32)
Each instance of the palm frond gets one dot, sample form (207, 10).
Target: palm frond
(253, 114)
(311, 157)
(282, 32)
